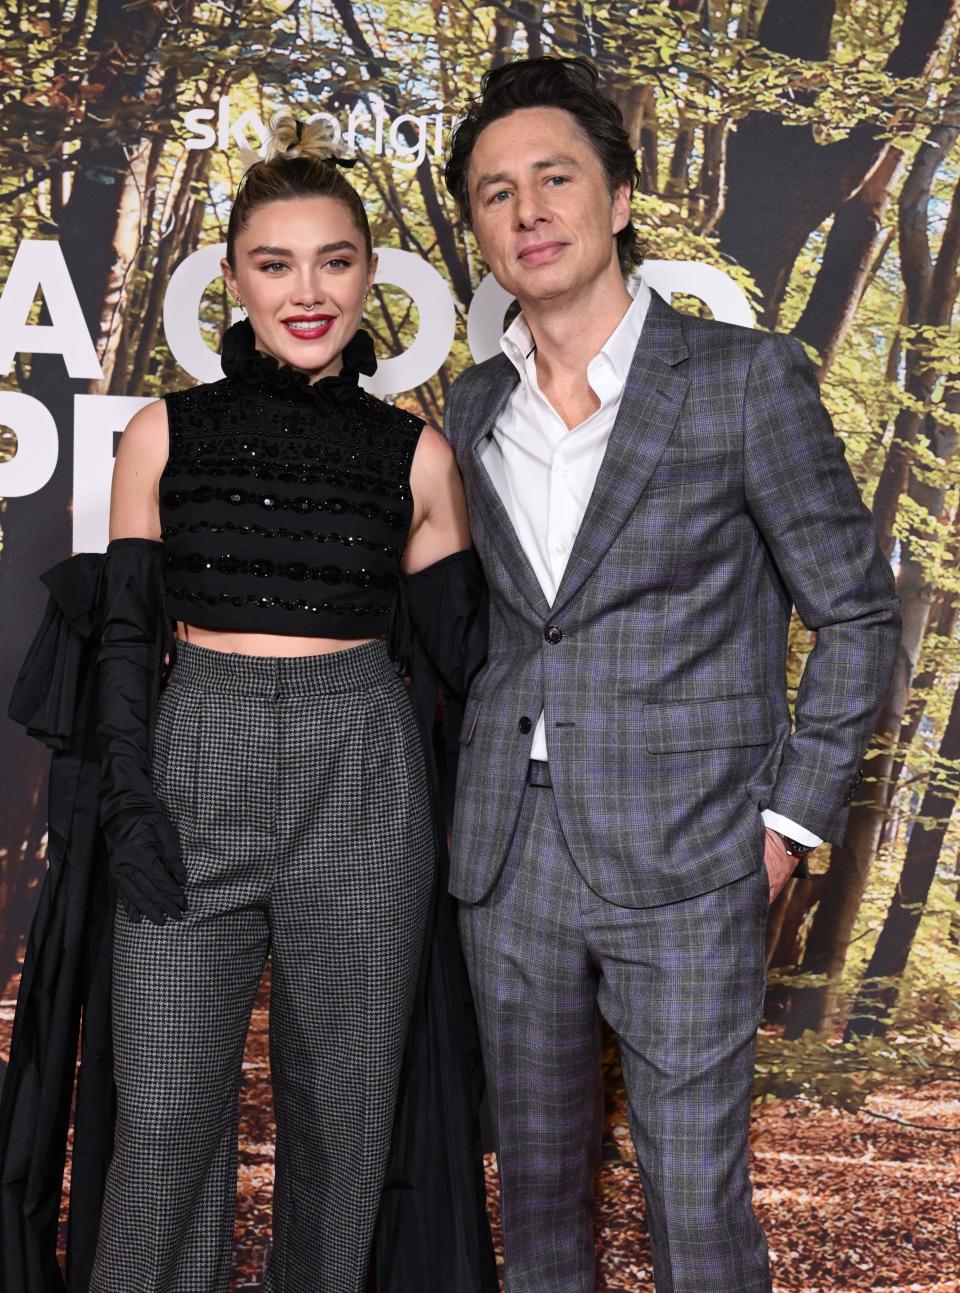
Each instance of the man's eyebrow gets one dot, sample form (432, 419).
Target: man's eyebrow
(343, 245)
(544, 164)
(558, 159)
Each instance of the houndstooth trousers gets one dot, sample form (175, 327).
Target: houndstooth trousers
(298, 788)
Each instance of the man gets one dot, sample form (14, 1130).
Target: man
(649, 494)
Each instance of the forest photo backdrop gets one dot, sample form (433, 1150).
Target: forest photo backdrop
(811, 152)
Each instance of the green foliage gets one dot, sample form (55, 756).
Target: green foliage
(826, 1072)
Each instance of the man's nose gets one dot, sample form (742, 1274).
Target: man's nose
(530, 209)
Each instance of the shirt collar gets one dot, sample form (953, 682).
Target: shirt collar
(518, 345)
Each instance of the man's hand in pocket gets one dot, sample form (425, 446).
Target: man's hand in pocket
(778, 861)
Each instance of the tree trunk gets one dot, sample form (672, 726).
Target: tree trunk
(173, 245)
(713, 175)
(931, 293)
(880, 987)
(91, 220)
(438, 218)
(850, 863)
(782, 183)
(532, 19)
(784, 31)
(785, 948)
(945, 623)
(677, 180)
(848, 261)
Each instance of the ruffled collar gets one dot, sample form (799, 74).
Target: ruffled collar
(240, 358)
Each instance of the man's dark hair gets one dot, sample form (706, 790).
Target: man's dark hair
(550, 82)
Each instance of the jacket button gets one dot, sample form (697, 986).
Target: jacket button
(848, 797)
(553, 633)
(525, 725)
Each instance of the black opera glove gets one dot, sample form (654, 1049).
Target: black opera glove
(447, 605)
(142, 844)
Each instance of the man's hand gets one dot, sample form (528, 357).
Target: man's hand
(778, 862)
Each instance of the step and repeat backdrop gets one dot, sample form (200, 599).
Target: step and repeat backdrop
(800, 171)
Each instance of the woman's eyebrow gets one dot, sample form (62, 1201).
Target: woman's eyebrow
(343, 245)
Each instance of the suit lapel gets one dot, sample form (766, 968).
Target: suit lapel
(652, 398)
(488, 501)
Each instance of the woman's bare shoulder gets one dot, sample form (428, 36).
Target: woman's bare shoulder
(433, 456)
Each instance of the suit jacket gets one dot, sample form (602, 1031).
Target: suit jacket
(723, 498)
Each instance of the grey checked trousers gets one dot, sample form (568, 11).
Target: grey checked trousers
(298, 789)
(682, 987)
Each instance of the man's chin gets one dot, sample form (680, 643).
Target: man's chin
(543, 286)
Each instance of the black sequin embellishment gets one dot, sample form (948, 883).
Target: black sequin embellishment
(273, 484)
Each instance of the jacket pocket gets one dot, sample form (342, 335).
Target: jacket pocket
(676, 725)
(694, 471)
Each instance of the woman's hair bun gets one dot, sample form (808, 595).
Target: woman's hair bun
(290, 138)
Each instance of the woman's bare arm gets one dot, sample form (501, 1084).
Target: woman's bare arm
(440, 525)
(141, 458)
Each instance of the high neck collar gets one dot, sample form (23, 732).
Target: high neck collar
(240, 358)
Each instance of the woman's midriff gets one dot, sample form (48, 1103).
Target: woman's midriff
(264, 644)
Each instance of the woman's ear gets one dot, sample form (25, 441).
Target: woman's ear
(372, 270)
(226, 269)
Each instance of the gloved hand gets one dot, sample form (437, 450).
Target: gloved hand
(146, 866)
(142, 844)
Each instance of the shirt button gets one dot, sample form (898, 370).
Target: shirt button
(553, 633)
(525, 725)
(561, 548)
(564, 472)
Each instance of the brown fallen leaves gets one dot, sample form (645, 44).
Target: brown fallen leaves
(849, 1202)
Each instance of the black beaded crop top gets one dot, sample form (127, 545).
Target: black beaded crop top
(285, 506)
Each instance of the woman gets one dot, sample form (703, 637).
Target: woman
(281, 804)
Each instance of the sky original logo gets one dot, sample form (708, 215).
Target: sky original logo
(406, 138)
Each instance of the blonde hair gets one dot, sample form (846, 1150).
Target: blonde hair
(300, 160)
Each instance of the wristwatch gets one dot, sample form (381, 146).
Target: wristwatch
(798, 851)
(794, 847)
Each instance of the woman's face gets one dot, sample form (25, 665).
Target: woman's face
(302, 273)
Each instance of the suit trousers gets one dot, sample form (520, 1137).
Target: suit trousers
(299, 792)
(682, 987)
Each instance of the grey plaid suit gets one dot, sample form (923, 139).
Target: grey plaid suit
(723, 498)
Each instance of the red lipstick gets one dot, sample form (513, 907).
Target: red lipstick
(308, 327)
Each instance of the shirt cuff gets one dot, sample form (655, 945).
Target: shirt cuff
(786, 827)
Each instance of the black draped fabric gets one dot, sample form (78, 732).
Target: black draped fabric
(66, 969)
(432, 1232)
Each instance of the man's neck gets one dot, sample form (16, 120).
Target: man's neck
(569, 331)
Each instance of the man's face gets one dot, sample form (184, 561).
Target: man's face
(540, 205)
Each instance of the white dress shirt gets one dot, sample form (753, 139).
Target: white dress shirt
(545, 472)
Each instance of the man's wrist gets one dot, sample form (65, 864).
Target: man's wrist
(795, 848)
(797, 841)
(787, 826)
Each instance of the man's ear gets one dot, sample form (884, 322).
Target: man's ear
(621, 207)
